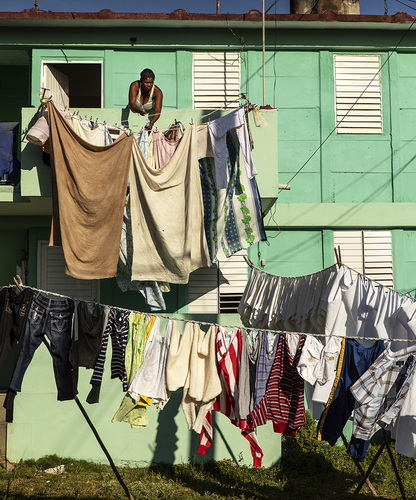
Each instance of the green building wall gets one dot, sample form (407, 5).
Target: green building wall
(351, 182)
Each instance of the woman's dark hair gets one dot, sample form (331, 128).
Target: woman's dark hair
(147, 73)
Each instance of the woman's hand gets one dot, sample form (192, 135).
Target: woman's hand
(149, 126)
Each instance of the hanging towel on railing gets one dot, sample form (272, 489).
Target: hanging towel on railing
(87, 202)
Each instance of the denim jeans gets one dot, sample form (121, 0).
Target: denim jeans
(52, 318)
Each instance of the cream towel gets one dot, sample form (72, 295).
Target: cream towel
(177, 366)
(89, 186)
(168, 216)
(202, 384)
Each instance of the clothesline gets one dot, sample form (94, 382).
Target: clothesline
(199, 322)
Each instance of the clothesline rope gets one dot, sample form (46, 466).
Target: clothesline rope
(198, 322)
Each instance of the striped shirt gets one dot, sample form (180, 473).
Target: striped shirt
(283, 402)
(376, 390)
(118, 329)
(266, 360)
(228, 348)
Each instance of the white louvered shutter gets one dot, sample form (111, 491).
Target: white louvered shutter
(367, 252)
(218, 289)
(358, 77)
(378, 256)
(216, 80)
(52, 276)
(203, 290)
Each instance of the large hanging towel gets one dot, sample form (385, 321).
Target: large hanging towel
(89, 186)
(167, 215)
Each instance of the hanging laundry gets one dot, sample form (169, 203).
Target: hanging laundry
(9, 162)
(404, 427)
(232, 217)
(52, 318)
(283, 401)
(376, 392)
(308, 361)
(94, 135)
(247, 391)
(87, 203)
(266, 359)
(129, 411)
(218, 130)
(164, 149)
(204, 142)
(228, 348)
(152, 291)
(167, 216)
(118, 328)
(285, 303)
(14, 309)
(147, 380)
(202, 384)
(353, 361)
(87, 333)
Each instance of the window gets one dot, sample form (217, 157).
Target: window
(216, 80)
(52, 276)
(75, 85)
(219, 288)
(367, 252)
(358, 93)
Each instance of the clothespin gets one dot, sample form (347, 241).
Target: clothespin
(338, 256)
(18, 282)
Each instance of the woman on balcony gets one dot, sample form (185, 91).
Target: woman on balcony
(145, 98)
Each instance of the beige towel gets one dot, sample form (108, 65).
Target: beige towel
(89, 186)
(167, 215)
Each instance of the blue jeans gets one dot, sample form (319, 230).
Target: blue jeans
(52, 318)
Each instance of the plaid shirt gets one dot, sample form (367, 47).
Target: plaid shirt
(382, 388)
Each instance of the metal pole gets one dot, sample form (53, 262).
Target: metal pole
(264, 56)
(218, 6)
(97, 437)
(393, 463)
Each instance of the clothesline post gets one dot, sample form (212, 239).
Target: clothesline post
(361, 470)
(393, 463)
(97, 436)
(370, 468)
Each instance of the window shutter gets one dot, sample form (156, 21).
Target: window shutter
(352, 76)
(203, 290)
(233, 281)
(378, 257)
(218, 289)
(368, 252)
(52, 276)
(216, 80)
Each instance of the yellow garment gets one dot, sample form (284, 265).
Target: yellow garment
(129, 411)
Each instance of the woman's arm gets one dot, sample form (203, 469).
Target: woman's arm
(158, 95)
(134, 90)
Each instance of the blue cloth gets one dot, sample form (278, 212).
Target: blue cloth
(355, 361)
(9, 164)
(53, 318)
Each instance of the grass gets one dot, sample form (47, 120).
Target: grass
(309, 470)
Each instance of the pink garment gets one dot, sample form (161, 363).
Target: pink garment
(164, 149)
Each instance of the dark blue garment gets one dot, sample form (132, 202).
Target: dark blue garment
(9, 164)
(53, 318)
(355, 360)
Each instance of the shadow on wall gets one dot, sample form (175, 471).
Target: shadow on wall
(167, 435)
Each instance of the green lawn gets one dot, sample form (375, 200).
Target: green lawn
(309, 470)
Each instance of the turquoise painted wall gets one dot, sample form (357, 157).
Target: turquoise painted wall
(353, 181)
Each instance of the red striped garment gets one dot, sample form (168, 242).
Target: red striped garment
(283, 402)
(228, 349)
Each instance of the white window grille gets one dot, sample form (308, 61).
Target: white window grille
(216, 80)
(358, 105)
(367, 252)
